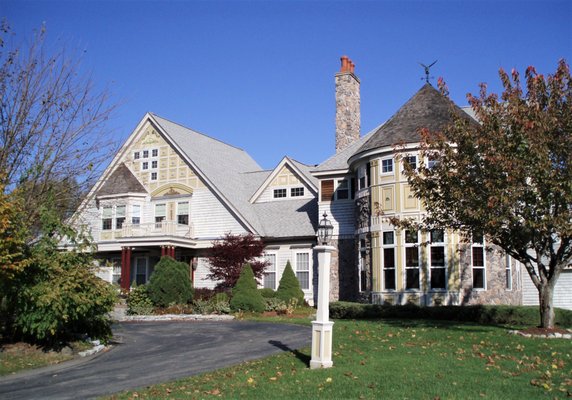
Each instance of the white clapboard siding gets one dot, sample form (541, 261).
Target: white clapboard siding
(210, 218)
(562, 291)
(201, 273)
(341, 214)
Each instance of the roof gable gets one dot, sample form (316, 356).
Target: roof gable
(428, 108)
(120, 181)
(299, 170)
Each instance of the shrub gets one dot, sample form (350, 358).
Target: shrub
(274, 304)
(245, 295)
(289, 287)
(267, 293)
(482, 314)
(170, 283)
(138, 301)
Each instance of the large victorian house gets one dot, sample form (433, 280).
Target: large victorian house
(173, 191)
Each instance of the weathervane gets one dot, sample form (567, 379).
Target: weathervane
(427, 77)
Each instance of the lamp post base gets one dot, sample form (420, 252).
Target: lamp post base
(321, 345)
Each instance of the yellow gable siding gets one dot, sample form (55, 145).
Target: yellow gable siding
(170, 167)
(286, 177)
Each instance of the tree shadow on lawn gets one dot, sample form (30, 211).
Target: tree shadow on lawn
(299, 355)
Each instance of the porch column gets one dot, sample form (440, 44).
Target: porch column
(162, 251)
(172, 252)
(124, 280)
(128, 268)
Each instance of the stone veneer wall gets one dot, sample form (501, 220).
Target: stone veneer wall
(347, 110)
(495, 292)
(344, 271)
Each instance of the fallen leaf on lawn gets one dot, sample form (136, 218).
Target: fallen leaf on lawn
(328, 379)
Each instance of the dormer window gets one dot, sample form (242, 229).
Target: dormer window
(297, 192)
(279, 193)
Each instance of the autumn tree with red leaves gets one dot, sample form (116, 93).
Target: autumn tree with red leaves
(230, 254)
(508, 177)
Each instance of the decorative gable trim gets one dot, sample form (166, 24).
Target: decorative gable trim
(285, 162)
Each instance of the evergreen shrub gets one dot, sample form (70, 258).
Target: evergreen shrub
(138, 301)
(170, 283)
(245, 295)
(289, 287)
(267, 293)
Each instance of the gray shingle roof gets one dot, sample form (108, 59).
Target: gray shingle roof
(121, 180)
(428, 108)
(237, 176)
(305, 169)
(288, 218)
(340, 160)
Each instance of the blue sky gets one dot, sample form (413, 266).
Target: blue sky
(260, 74)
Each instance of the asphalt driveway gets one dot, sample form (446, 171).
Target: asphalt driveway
(152, 352)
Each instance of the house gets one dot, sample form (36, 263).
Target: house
(173, 191)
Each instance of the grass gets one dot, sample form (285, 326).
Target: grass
(20, 356)
(395, 359)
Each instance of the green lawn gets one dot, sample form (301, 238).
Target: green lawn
(396, 360)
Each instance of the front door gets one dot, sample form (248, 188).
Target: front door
(141, 270)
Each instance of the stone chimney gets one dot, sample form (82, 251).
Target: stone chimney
(347, 105)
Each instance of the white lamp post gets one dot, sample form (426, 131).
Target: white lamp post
(322, 326)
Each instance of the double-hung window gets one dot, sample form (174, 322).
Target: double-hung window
(107, 218)
(411, 161)
(135, 214)
(303, 270)
(508, 273)
(160, 214)
(438, 274)
(389, 260)
(279, 193)
(478, 262)
(412, 265)
(119, 216)
(183, 213)
(270, 272)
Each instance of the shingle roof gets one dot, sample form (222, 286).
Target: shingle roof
(288, 218)
(340, 160)
(121, 180)
(428, 108)
(305, 169)
(237, 176)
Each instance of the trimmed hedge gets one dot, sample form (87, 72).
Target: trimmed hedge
(487, 315)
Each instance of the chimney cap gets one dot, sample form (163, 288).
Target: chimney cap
(347, 65)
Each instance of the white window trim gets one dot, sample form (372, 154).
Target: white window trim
(309, 270)
(362, 265)
(137, 268)
(404, 160)
(445, 262)
(275, 272)
(392, 166)
(508, 270)
(349, 189)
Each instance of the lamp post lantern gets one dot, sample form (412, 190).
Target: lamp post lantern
(322, 326)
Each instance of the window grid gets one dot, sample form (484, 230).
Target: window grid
(387, 166)
(269, 280)
(412, 261)
(303, 270)
(279, 193)
(478, 263)
(438, 278)
(296, 192)
(389, 260)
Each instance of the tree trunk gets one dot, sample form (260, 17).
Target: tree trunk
(545, 294)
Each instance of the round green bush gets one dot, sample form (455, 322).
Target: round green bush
(289, 287)
(245, 295)
(138, 301)
(170, 283)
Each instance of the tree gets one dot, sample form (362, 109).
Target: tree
(289, 286)
(229, 255)
(52, 123)
(170, 283)
(245, 295)
(508, 177)
(58, 295)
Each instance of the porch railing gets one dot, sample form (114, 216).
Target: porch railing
(162, 228)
